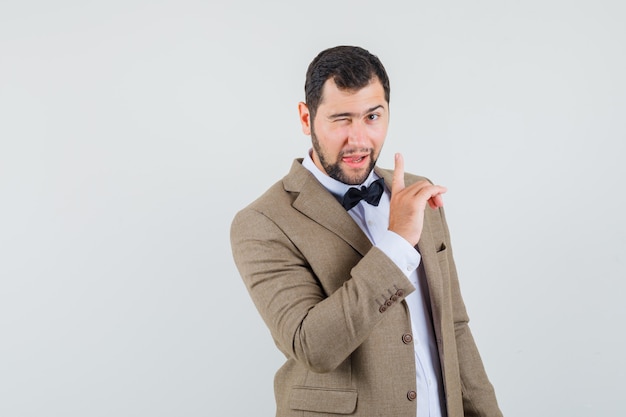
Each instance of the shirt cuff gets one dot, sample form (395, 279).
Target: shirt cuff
(400, 252)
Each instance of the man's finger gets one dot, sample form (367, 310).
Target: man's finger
(397, 183)
(436, 200)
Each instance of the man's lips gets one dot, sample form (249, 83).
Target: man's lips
(355, 160)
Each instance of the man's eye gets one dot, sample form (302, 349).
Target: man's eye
(373, 116)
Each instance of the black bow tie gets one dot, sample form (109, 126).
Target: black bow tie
(370, 194)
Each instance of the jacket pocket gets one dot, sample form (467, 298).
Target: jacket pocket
(442, 257)
(442, 247)
(323, 400)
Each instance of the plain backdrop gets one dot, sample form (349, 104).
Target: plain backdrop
(132, 131)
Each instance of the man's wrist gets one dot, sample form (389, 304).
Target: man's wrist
(400, 252)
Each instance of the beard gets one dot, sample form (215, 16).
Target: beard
(334, 170)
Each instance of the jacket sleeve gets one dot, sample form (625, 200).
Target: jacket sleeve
(317, 329)
(479, 399)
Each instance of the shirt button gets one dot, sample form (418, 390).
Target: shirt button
(411, 395)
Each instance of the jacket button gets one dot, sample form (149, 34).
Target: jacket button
(394, 298)
(407, 338)
(382, 308)
(388, 303)
(399, 293)
(411, 395)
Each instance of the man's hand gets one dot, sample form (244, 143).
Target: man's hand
(406, 213)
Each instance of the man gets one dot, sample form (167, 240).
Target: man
(351, 267)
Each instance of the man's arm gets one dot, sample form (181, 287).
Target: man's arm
(319, 330)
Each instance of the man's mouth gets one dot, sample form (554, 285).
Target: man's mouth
(354, 160)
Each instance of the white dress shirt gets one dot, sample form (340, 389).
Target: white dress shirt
(374, 221)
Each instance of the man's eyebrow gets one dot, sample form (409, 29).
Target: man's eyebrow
(348, 114)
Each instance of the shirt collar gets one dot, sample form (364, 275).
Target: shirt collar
(337, 188)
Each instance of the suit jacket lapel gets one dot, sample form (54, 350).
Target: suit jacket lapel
(315, 202)
(427, 247)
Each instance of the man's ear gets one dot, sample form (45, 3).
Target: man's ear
(305, 118)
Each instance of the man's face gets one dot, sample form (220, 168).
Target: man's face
(348, 131)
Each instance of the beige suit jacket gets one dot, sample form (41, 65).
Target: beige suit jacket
(335, 307)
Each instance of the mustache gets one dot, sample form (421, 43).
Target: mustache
(352, 151)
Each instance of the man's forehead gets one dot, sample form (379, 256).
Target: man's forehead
(367, 96)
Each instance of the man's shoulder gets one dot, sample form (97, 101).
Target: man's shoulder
(273, 196)
(283, 192)
(409, 178)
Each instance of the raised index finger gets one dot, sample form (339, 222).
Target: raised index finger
(397, 183)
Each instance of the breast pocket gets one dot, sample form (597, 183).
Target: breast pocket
(442, 257)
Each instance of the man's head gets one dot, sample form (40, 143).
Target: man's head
(346, 112)
(351, 67)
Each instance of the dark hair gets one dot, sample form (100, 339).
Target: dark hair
(351, 67)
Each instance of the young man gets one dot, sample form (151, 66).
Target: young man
(351, 267)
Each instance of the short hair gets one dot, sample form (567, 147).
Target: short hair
(351, 67)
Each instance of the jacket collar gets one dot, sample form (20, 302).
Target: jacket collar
(317, 203)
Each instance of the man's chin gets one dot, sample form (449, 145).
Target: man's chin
(352, 177)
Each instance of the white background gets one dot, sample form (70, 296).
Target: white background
(132, 131)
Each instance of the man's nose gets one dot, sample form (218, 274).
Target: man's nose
(356, 134)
